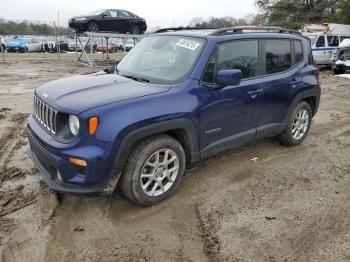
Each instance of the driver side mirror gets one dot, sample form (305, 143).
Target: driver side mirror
(228, 77)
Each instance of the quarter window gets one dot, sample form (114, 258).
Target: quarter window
(241, 55)
(277, 55)
(124, 14)
(298, 51)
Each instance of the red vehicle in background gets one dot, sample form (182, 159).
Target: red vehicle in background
(114, 44)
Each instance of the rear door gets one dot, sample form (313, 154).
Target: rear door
(282, 78)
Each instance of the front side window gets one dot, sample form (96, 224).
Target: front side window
(320, 41)
(162, 59)
(113, 13)
(312, 39)
(277, 55)
(242, 55)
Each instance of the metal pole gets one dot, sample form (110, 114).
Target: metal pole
(58, 56)
(58, 31)
(76, 45)
(2, 50)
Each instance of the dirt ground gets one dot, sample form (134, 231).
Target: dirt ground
(262, 202)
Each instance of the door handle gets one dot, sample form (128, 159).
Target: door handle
(255, 93)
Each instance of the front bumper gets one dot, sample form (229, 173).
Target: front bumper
(50, 162)
(77, 26)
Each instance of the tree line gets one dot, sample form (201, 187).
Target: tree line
(29, 28)
(286, 13)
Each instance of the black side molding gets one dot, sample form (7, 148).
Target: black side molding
(131, 138)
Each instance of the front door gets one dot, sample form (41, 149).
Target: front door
(321, 52)
(229, 115)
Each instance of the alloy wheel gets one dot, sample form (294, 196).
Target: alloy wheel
(300, 124)
(159, 172)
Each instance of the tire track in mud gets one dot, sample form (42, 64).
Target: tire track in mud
(13, 139)
(208, 228)
(331, 221)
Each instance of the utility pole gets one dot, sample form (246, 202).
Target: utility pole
(2, 50)
(58, 33)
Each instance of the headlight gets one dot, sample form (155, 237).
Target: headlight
(74, 124)
(80, 19)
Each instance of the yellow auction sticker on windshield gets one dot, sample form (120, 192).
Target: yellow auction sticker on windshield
(192, 45)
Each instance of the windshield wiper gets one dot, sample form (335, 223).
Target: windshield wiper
(136, 78)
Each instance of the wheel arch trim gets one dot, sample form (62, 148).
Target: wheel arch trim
(314, 93)
(132, 137)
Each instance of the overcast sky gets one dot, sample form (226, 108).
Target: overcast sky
(157, 12)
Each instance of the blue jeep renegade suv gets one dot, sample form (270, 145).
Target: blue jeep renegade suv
(179, 96)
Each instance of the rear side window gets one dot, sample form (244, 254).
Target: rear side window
(298, 51)
(278, 56)
(344, 37)
(241, 55)
(332, 40)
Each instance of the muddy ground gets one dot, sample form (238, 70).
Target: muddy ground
(262, 202)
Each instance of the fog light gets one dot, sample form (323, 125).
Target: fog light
(59, 176)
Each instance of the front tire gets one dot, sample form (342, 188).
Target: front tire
(298, 125)
(92, 27)
(154, 170)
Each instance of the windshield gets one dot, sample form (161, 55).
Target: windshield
(312, 38)
(98, 12)
(162, 59)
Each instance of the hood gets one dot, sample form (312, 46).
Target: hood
(82, 16)
(80, 93)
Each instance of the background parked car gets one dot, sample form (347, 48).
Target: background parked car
(114, 44)
(74, 46)
(109, 20)
(130, 43)
(340, 61)
(23, 45)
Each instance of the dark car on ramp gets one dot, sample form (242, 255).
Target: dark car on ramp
(109, 20)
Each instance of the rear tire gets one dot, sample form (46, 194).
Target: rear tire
(154, 170)
(92, 27)
(338, 71)
(134, 29)
(298, 125)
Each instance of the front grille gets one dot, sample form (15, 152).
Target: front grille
(45, 115)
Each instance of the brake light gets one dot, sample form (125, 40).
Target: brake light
(93, 123)
(318, 74)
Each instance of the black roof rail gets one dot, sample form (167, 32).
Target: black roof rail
(240, 29)
(174, 29)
